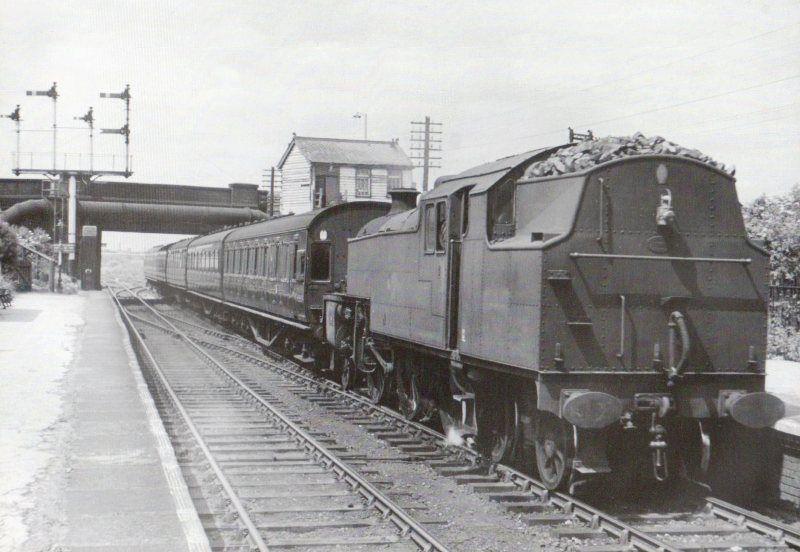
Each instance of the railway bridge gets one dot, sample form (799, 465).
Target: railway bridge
(76, 210)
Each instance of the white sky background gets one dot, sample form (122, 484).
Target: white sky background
(218, 88)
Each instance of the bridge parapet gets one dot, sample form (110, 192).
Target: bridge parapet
(15, 190)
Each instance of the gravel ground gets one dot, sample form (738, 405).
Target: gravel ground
(461, 519)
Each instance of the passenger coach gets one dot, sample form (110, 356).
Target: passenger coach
(266, 278)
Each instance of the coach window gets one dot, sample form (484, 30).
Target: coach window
(292, 261)
(271, 261)
(281, 267)
(264, 260)
(319, 255)
(300, 265)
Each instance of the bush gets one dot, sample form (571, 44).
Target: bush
(8, 247)
(36, 239)
(783, 342)
(8, 283)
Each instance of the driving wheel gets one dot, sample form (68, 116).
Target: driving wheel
(498, 427)
(376, 383)
(348, 373)
(409, 401)
(554, 443)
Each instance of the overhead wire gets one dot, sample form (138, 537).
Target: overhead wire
(561, 96)
(643, 112)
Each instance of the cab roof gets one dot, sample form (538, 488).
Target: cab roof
(484, 176)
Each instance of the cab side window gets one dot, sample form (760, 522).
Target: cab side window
(435, 227)
(441, 227)
(430, 228)
(500, 224)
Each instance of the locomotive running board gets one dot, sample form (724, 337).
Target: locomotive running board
(659, 258)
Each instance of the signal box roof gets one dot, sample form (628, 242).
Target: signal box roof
(348, 152)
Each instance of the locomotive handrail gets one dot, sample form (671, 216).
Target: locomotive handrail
(745, 260)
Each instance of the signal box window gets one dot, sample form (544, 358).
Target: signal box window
(319, 257)
(363, 183)
(394, 180)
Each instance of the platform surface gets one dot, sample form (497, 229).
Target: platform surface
(783, 379)
(101, 480)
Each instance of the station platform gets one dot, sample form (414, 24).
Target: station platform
(107, 477)
(783, 379)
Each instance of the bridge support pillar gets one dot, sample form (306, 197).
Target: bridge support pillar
(89, 257)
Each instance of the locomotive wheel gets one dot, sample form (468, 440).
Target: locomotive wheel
(554, 445)
(409, 399)
(498, 428)
(348, 374)
(376, 384)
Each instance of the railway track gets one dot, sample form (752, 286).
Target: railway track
(259, 479)
(717, 525)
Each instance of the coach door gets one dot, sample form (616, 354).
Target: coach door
(457, 228)
(441, 262)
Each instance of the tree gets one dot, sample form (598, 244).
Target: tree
(776, 222)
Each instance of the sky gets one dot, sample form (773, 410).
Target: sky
(219, 87)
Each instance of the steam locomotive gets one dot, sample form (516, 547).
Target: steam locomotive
(608, 320)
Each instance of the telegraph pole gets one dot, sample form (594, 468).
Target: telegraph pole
(424, 141)
(360, 115)
(271, 207)
(272, 192)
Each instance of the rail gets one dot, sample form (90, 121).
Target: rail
(375, 497)
(226, 485)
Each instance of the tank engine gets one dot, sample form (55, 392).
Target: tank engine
(607, 320)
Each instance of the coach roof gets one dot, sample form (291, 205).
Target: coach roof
(295, 223)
